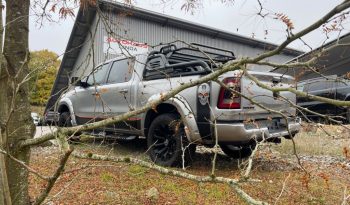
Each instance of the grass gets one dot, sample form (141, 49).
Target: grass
(313, 140)
(106, 177)
(117, 184)
(136, 170)
(125, 183)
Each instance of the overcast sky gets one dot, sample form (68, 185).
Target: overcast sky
(239, 18)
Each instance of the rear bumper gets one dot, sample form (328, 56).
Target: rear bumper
(240, 132)
(51, 117)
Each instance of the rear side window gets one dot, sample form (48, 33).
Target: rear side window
(319, 85)
(121, 71)
(98, 76)
(342, 82)
(156, 69)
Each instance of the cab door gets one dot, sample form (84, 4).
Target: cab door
(117, 94)
(88, 104)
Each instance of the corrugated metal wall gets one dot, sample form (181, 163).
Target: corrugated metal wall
(87, 58)
(152, 33)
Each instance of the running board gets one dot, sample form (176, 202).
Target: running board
(108, 135)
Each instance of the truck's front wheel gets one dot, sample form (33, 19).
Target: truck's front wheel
(65, 120)
(166, 141)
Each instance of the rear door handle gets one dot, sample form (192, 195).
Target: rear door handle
(123, 91)
(95, 93)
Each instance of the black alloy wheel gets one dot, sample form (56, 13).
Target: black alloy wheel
(166, 140)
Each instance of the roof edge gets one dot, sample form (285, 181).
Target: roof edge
(217, 33)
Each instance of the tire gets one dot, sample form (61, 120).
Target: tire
(166, 137)
(347, 115)
(288, 137)
(238, 152)
(65, 120)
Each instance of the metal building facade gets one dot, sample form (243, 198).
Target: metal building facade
(85, 47)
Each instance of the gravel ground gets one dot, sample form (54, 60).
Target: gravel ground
(42, 130)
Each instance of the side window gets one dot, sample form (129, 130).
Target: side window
(121, 71)
(156, 69)
(319, 85)
(98, 76)
(343, 82)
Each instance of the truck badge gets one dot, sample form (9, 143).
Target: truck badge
(203, 93)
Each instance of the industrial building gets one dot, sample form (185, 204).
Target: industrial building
(98, 31)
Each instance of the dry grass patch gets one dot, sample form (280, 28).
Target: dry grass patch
(124, 183)
(318, 139)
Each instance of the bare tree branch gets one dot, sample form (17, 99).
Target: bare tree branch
(231, 182)
(52, 180)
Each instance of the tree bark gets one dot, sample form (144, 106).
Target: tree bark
(5, 197)
(16, 122)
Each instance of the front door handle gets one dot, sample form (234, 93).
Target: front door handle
(123, 91)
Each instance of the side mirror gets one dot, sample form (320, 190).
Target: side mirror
(82, 84)
(78, 82)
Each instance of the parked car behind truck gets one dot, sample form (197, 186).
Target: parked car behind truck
(332, 87)
(123, 84)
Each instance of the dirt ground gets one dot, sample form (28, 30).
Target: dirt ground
(279, 177)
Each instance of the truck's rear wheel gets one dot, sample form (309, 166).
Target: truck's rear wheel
(238, 152)
(166, 139)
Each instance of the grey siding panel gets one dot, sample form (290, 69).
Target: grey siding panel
(153, 33)
(84, 63)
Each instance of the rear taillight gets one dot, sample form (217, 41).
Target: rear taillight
(228, 99)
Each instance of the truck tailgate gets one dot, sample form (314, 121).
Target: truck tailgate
(266, 97)
(248, 88)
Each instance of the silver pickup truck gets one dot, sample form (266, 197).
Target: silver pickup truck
(175, 127)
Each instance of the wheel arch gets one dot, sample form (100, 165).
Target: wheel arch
(347, 97)
(63, 108)
(65, 105)
(177, 105)
(153, 113)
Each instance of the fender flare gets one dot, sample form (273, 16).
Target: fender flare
(187, 116)
(347, 97)
(67, 102)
